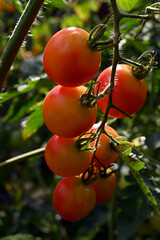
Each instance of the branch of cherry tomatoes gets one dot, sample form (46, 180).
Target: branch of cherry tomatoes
(81, 151)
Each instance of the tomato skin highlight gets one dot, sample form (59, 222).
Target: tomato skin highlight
(64, 158)
(129, 93)
(104, 187)
(72, 199)
(68, 60)
(104, 151)
(64, 114)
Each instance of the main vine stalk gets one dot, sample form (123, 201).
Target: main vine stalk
(17, 38)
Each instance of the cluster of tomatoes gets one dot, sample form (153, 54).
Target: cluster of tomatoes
(70, 63)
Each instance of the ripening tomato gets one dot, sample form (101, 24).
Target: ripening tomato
(64, 158)
(72, 199)
(129, 93)
(104, 187)
(104, 152)
(65, 115)
(68, 60)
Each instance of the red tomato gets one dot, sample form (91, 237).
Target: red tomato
(104, 151)
(68, 60)
(64, 158)
(64, 114)
(72, 199)
(129, 92)
(104, 187)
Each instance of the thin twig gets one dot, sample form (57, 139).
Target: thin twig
(11, 161)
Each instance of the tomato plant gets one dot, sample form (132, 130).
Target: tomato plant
(72, 199)
(104, 186)
(64, 158)
(68, 60)
(71, 59)
(105, 152)
(65, 115)
(129, 93)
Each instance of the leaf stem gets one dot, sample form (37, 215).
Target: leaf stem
(17, 38)
(137, 16)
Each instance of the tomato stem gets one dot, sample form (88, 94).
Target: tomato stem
(118, 109)
(17, 38)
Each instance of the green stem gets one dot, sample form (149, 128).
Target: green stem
(17, 37)
(117, 18)
(127, 15)
(22, 157)
(127, 60)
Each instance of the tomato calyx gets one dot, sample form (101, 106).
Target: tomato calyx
(92, 173)
(88, 99)
(89, 176)
(147, 63)
(96, 33)
(82, 142)
(105, 174)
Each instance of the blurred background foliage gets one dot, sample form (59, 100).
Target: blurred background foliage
(26, 210)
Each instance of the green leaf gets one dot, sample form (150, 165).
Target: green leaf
(125, 147)
(34, 122)
(18, 110)
(135, 165)
(40, 82)
(133, 162)
(145, 189)
(58, 3)
(153, 185)
(23, 88)
(127, 5)
(83, 11)
(18, 6)
(71, 20)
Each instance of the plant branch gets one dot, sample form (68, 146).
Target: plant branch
(17, 38)
(22, 157)
(137, 16)
(127, 60)
(117, 18)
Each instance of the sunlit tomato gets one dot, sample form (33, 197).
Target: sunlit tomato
(72, 199)
(104, 187)
(68, 60)
(105, 152)
(129, 93)
(64, 158)
(64, 114)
